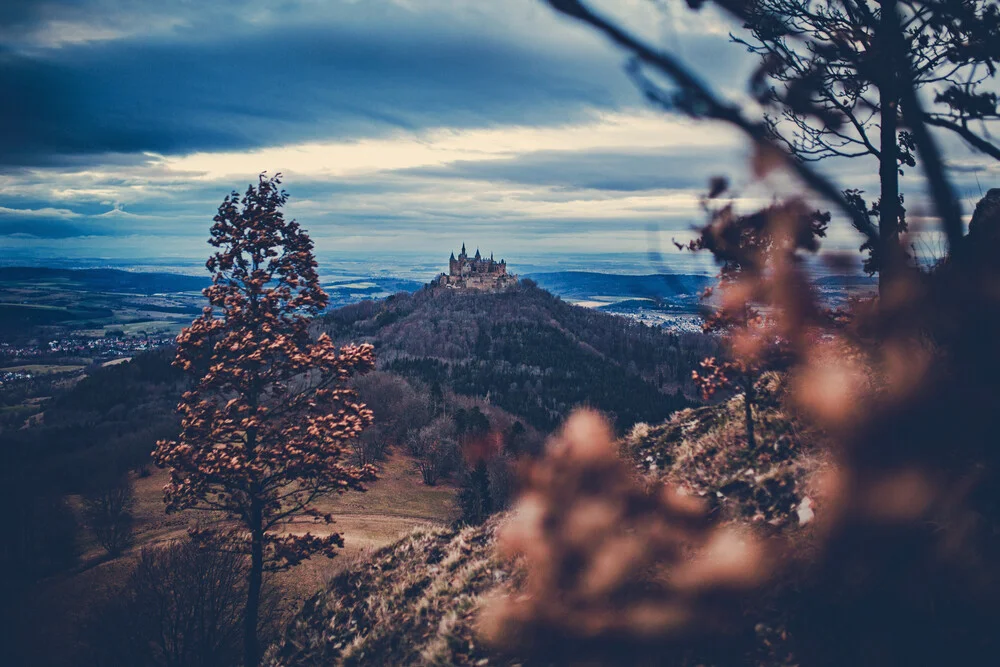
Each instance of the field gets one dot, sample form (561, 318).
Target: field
(393, 506)
(41, 369)
(57, 303)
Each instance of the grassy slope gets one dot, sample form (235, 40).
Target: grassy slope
(415, 602)
(393, 506)
(412, 603)
(704, 451)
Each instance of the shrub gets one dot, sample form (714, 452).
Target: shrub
(475, 498)
(182, 607)
(109, 515)
(435, 449)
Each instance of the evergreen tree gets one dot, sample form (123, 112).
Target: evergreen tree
(475, 497)
(266, 428)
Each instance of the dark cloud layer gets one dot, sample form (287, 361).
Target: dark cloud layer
(91, 86)
(18, 13)
(277, 87)
(42, 226)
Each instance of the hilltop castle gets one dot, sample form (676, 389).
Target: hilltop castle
(476, 273)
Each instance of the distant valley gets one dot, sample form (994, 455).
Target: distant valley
(56, 303)
(73, 318)
(493, 367)
(669, 300)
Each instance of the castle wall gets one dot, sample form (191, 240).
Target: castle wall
(477, 273)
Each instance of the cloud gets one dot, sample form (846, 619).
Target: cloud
(91, 77)
(44, 213)
(400, 125)
(288, 84)
(598, 132)
(611, 170)
(51, 223)
(429, 176)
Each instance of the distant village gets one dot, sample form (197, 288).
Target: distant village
(31, 359)
(106, 346)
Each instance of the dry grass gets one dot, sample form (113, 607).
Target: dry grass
(704, 452)
(393, 506)
(416, 602)
(413, 603)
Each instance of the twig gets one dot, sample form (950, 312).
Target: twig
(710, 106)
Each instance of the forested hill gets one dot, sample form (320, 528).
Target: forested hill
(527, 351)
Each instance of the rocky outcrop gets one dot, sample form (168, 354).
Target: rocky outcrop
(704, 452)
(985, 224)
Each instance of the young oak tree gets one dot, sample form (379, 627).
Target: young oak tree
(749, 248)
(267, 427)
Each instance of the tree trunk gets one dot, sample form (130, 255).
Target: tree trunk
(251, 645)
(748, 401)
(888, 223)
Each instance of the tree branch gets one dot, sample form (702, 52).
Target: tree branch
(710, 106)
(971, 137)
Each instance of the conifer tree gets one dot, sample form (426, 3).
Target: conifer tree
(267, 426)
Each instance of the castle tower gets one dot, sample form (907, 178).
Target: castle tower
(477, 272)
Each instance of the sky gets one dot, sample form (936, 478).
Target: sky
(403, 128)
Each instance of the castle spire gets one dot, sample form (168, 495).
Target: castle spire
(463, 247)
(478, 256)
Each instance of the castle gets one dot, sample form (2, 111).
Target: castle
(476, 273)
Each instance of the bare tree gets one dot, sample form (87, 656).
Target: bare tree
(690, 94)
(904, 571)
(108, 513)
(182, 606)
(370, 446)
(843, 78)
(398, 407)
(435, 447)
